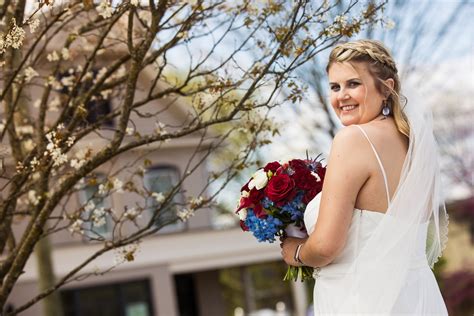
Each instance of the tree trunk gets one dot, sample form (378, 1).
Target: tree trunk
(46, 278)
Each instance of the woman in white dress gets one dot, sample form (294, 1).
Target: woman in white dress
(377, 227)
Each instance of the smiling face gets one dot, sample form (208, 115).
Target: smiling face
(354, 96)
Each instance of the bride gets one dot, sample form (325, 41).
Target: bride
(377, 227)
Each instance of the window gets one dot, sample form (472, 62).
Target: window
(122, 299)
(162, 180)
(97, 108)
(97, 221)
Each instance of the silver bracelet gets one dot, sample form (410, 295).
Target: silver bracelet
(297, 254)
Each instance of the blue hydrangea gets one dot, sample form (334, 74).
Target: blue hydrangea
(295, 207)
(264, 229)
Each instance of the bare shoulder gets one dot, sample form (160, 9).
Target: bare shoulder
(348, 139)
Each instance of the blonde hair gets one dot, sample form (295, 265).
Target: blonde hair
(381, 66)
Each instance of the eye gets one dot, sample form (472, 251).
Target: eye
(354, 84)
(334, 87)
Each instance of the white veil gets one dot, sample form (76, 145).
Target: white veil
(416, 214)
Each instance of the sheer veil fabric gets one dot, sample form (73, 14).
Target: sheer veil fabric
(381, 268)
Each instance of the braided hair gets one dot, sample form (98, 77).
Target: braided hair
(381, 66)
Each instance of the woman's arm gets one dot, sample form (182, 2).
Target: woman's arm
(347, 171)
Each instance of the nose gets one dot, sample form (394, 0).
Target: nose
(342, 95)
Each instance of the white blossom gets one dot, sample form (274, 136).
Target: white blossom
(90, 206)
(102, 189)
(30, 73)
(98, 217)
(24, 129)
(105, 93)
(53, 56)
(54, 83)
(125, 253)
(68, 81)
(14, 38)
(34, 24)
(390, 24)
(70, 141)
(105, 9)
(134, 2)
(129, 131)
(33, 198)
(160, 129)
(77, 164)
(76, 226)
(34, 163)
(185, 214)
(159, 197)
(29, 145)
(132, 213)
(65, 53)
(118, 185)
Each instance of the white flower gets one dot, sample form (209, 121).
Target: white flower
(30, 73)
(105, 94)
(132, 213)
(55, 84)
(34, 25)
(243, 214)
(129, 131)
(76, 227)
(53, 56)
(65, 53)
(160, 128)
(32, 198)
(102, 189)
(14, 38)
(98, 217)
(196, 202)
(185, 214)
(105, 9)
(70, 141)
(159, 197)
(34, 163)
(259, 180)
(68, 81)
(134, 2)
(118, 185)
(90, 206)
(29, 145)
(390, 24)
(77, 164)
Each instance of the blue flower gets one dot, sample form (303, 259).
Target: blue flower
(264, 229)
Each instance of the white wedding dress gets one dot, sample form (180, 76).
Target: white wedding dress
(419, 295)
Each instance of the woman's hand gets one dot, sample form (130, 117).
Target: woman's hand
(288, 248)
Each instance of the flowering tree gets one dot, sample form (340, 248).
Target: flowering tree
(80, 80)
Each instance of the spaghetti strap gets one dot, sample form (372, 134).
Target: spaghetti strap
(380, 164)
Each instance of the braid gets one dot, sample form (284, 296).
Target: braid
(353, 50)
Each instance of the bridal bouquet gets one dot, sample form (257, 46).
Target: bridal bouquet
(273, 201)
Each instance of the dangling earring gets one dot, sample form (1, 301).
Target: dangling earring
(385, 109)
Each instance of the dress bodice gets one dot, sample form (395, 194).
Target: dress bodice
(363, 224)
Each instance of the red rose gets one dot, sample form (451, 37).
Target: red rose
(304, 180)
(312, 192)
(298, 164)
(280, 189)
(244, 203)
(272, 166)
(246, 186)
(255, 195)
